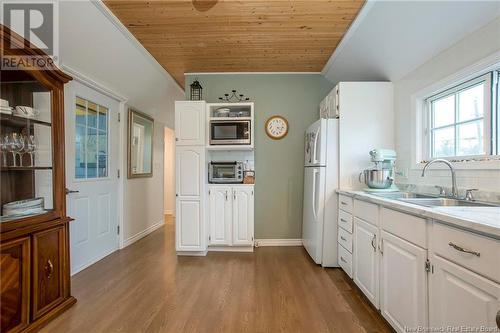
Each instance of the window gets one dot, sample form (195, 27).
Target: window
(462, 122)
(91, 140)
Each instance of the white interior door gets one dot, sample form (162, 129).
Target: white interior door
(92, 139)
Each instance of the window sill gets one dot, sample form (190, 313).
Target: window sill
(463, 165)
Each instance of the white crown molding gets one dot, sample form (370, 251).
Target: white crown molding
(87, 81)
(350, 32)
(119, 25)
(253, 73)
(278, 242)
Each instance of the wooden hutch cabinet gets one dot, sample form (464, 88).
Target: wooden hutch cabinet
(34, 229)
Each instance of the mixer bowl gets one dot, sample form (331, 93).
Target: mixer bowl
(376, 178)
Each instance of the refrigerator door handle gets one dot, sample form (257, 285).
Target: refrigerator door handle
(315, 176)
(316, 150)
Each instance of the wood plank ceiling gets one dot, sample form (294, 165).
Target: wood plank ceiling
(238, 36)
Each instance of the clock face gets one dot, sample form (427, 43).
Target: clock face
(277, 127)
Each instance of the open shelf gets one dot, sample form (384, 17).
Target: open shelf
(17, 121)
(25, 168)
(230, 147)
(230, 118)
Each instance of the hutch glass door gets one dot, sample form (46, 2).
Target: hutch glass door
(26, 147)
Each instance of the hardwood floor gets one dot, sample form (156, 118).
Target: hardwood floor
(147, 288)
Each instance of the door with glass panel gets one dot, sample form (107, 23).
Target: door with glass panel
(91, 174)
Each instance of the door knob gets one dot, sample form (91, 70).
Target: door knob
(68, 191)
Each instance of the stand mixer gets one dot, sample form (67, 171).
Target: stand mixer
(380, 178)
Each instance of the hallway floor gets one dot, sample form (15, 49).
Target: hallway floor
(147, 288)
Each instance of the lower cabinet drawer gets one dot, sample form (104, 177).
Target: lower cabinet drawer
(345, 220)
(48, 261)
(345, 260)
(345, 239)
(366, 211)
(475, 252)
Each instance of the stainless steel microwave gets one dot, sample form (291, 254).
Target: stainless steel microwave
(225, 172)
(230, 132)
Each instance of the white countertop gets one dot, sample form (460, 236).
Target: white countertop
(485, 220)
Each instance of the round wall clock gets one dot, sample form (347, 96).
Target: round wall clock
(276, 127)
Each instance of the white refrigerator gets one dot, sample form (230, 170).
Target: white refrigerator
(321, 178)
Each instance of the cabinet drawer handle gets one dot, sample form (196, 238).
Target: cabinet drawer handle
(342, 259)
(343, 203)
(461, 249)
(341, 237)
(49, 269)
(342, 220)
(373, 243)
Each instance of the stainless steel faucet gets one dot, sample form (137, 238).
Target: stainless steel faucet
(454, 190)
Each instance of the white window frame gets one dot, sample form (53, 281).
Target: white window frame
(488, 125)
(418, 148)
(97, 178)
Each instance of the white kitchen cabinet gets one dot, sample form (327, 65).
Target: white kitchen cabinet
(231, 211)
(243, 215)
(190, 198)
(460, 297)
(366, 259)
(403, 283)
(189, 168)
(190, 119)
(189, 224)
(220, 215)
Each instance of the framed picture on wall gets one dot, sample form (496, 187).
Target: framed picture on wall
(140, 144)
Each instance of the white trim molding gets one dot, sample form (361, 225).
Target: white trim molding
(253, 73)
(142, 233)
(87, 81)
(230, 248)
(119, 25)
(278, 242)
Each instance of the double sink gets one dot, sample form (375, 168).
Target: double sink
(431, 201)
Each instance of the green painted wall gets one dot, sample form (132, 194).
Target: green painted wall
(278, 164)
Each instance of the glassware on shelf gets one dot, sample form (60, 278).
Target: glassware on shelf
(17, 146)
(5, 148)
(30, 147)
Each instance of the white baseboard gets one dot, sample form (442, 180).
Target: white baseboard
(192, 253)
(92, 261)
(230, 248)
(278, 242)
(142, 234)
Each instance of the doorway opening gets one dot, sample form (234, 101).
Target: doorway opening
(169, 176)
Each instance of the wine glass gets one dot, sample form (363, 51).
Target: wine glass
(30, 147)
(4, 147)
(17, 146)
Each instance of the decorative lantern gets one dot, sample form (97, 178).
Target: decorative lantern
(196, 90)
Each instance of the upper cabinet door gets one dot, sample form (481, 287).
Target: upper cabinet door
(190, 119)
(403, 276)
(366, 260)
(243, 215)
(220, 206)
(190, 166)
(459, 297)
